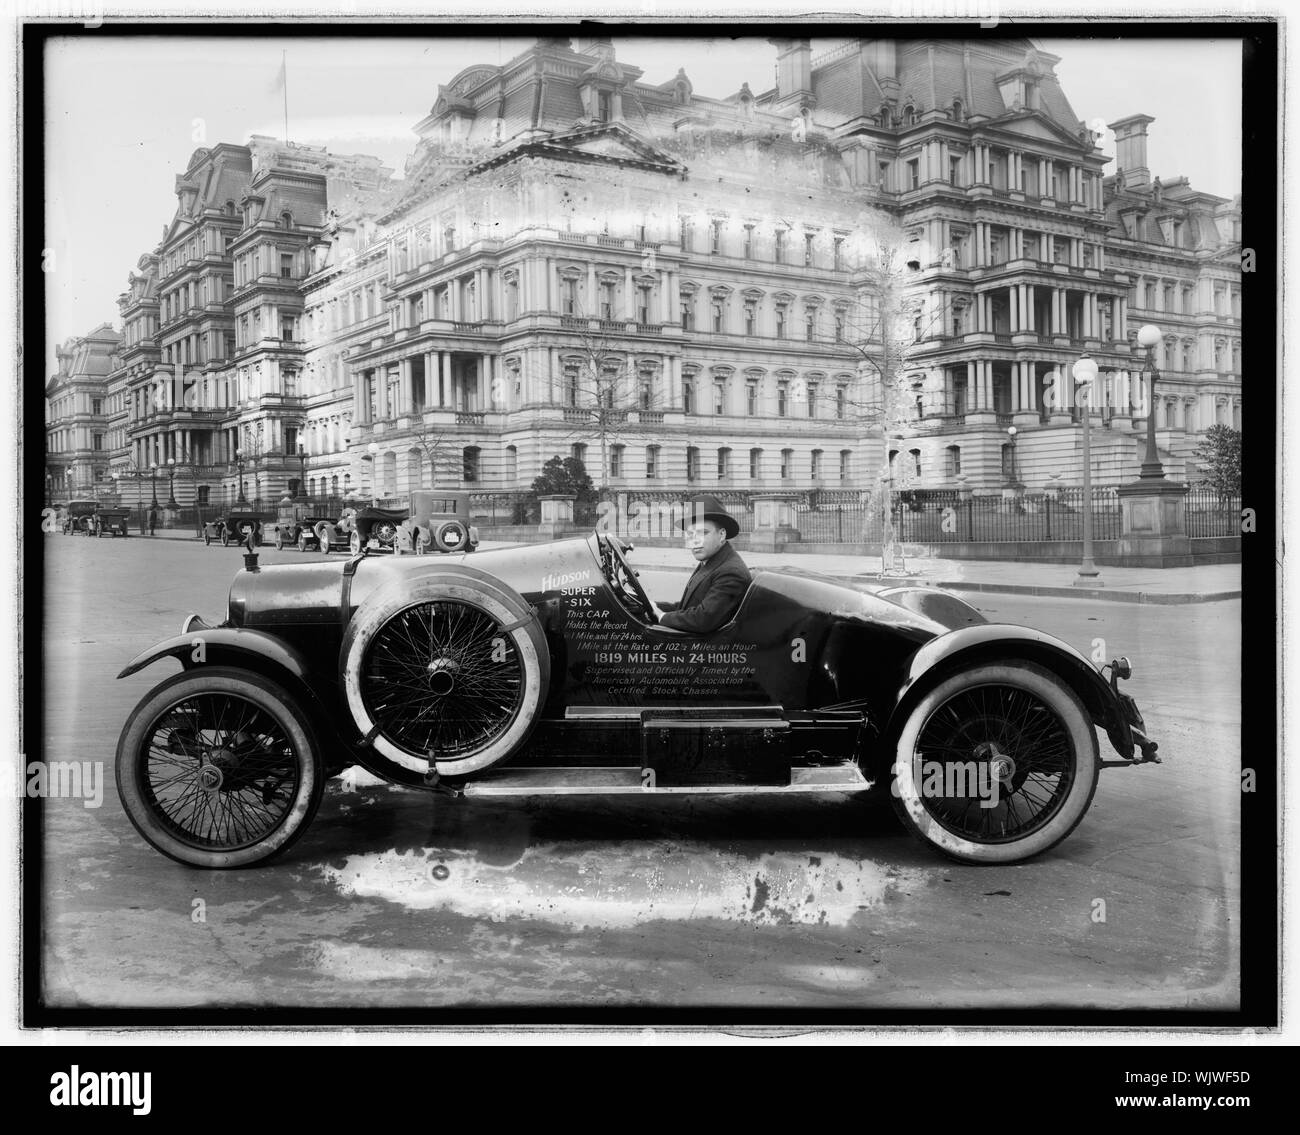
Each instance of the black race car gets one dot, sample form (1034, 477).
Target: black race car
(540, 669)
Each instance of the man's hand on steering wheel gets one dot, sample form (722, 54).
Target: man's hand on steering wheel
(623, 578)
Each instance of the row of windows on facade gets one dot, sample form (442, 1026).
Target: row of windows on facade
(1151, 295)
(1057, 183)
(724, 462)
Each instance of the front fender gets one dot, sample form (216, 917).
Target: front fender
(970, 645)
(198, 642)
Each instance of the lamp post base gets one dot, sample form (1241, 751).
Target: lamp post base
(1088, 576)
(1154, 532)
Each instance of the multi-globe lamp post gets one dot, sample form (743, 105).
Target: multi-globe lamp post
(1152, 469)
(171, 484)
(1085, 378)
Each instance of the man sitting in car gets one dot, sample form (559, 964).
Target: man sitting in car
(718, 584)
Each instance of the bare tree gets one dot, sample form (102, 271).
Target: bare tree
(884, 327)
(606, 388)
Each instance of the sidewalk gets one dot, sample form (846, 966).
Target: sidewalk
(1206, 584)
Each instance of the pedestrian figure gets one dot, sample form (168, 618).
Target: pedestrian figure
(153, 520)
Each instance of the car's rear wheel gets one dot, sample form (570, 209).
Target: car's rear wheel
(354, 542)
(279, 540)
(304, 541)
(996, 764)
(454, 665)
(219, 768)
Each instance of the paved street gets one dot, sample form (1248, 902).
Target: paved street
(816, 902)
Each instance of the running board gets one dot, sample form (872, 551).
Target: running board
(628, 781)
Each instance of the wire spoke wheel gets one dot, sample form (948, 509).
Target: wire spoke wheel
(442, 677)
(996, 763)
(217, 768)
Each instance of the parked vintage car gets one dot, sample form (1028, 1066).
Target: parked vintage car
(440, 522)
(235, 527)
(79, 517)
(541, 670)
(296, 526)
(329, 535)
(112, 522)
(375, 529)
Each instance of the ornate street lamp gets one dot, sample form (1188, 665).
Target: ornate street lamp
(1011, 434)
(1085, 375)
(302, 472)
(239, 472)
(1152, 470)
(153, 482)
(171, 483)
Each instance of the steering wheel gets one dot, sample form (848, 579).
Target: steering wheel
(623, 577)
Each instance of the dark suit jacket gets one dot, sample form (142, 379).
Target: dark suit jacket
(712, 595)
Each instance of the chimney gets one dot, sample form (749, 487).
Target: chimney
(601, 47)
(793, 70)
(1131, 148)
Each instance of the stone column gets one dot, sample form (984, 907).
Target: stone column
(404, 397)
(1032, 325)
(444, 378)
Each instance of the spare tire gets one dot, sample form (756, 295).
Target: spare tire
(453, 662)
(451, 536)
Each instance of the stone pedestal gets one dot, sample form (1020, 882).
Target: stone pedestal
(557, 515)
(1154, 532)
(774, 522)
(1013, 493)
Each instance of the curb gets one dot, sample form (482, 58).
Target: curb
(1158, 597)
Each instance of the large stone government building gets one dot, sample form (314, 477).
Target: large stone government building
(688, 292)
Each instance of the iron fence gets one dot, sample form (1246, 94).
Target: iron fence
(1212, 513)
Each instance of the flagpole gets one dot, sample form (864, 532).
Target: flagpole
(284, 70)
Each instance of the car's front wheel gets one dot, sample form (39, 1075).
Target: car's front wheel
(279, 540)
(996, 764)
(354, 542)
(219, 768)
(304, 541)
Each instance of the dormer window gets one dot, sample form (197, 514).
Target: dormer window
(604, 106)
(909, 115)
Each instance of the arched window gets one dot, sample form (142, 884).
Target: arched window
(916, 461)
(958, 111)
(470, 464)
(909, 115)
(286, 220)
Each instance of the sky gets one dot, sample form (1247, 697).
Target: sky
(123, 115)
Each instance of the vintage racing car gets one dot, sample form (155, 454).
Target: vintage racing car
(541, 669)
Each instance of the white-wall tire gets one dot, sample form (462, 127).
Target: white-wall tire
(489, 704)
(1021, 720)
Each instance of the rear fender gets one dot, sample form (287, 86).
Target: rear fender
(971, 646)
(201, 645)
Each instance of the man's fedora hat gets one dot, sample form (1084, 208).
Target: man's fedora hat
(710, 508)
